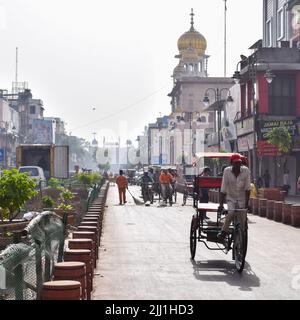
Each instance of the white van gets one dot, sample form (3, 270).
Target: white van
(35, 172)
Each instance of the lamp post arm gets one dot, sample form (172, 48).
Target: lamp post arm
(215, 92)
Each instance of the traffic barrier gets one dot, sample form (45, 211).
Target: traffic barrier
(71, 271)
(61, 290)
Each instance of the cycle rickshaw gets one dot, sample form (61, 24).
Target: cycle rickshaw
(206, 231)
(188, 191)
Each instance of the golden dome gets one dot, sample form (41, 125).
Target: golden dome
(192, 39)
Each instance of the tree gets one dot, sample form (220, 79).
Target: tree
(282, 139)
(81, 152)
(15, 190)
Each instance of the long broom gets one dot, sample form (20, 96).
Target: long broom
(136, 201)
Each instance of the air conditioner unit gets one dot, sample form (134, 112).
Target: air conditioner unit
(284, 44)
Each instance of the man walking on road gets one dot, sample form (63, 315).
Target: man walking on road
(236, 189)
(165, 180)
(122, 185)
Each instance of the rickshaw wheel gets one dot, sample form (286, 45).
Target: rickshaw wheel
(193, 237)
(240, 248)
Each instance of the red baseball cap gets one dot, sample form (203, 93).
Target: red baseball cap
(235, 158)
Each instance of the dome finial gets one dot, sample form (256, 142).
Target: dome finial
(192, 20)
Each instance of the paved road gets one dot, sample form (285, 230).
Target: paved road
(145, 254)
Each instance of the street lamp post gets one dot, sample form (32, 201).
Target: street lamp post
(217, 95)
(182, 120)
(253, 63)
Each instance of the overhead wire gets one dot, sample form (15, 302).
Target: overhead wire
(122, 109)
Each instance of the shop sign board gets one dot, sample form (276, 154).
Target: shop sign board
(266, 149)
(246, 143)
(265, 126)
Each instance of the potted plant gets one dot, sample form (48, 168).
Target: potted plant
(15, 190)
(48, 203)
(55, 184)
(65, 206)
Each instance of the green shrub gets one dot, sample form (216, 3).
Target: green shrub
(65, 196)
(48, 202)
(85, 178)
(96, 177)
(54, 183)
(15, 190)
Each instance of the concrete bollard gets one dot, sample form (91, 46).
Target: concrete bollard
(262, 207)
(255, 206)
(92, 229)
(88, 235)
(286, 213)
(85, 256)
(295, 215)
(71, 271)
(61, 290)
(270, 209)
(278, 211)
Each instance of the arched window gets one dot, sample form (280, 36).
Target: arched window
(203, 119)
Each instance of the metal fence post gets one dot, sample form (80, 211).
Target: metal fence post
(19, 277)
(38, 269)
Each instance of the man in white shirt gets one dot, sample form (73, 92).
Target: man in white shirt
(236, 186)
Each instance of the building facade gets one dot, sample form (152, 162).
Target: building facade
(9, 138)
(281, 23)
(269, 104)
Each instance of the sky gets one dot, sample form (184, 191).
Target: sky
(105, 67)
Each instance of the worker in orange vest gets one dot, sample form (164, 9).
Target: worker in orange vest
(122, 184)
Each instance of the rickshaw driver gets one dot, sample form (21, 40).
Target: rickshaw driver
(145, 180)
(236, 189)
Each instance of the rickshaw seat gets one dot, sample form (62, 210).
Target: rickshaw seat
(208, 182)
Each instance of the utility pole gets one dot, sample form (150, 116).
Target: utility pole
(16, 78)
(225, 36)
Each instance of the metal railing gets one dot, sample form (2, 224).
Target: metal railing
(29, 262)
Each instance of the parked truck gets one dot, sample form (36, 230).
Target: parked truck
(52, 158)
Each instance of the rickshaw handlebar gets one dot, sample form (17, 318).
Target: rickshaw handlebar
(225, 211)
